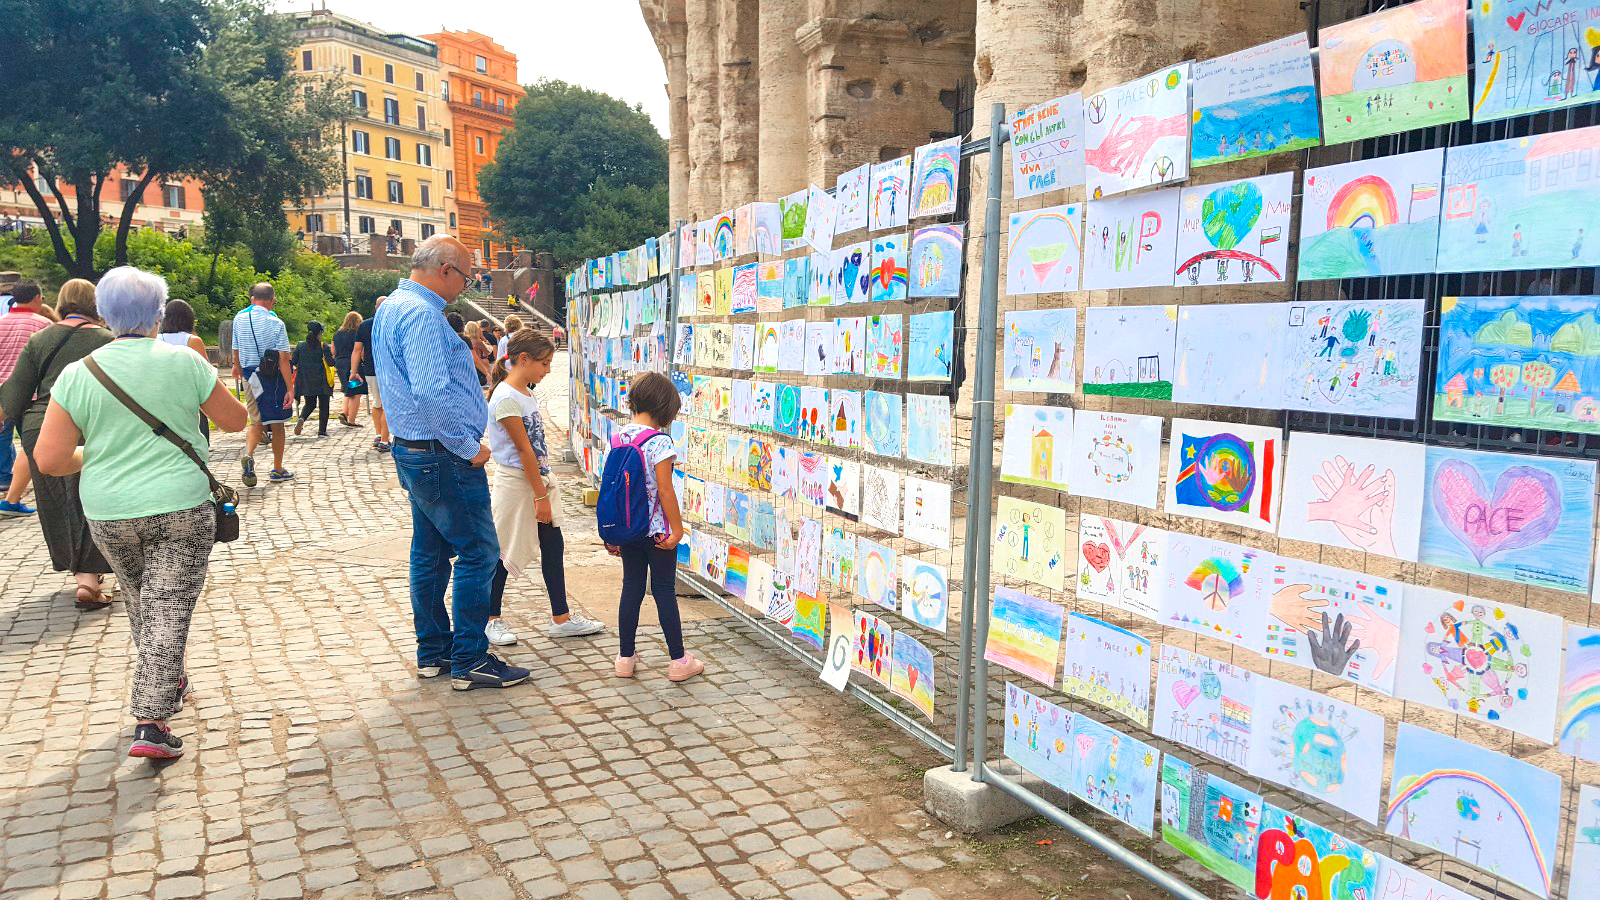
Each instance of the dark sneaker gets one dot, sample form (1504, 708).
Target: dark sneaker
(298, 425)
(281, 475)
(155, 742)
(489, 673)
(248, 463)
(382, 446)
(434, 670)
(183, 696)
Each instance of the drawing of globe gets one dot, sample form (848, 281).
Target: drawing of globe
(1387, 64)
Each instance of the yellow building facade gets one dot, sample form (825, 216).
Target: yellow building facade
(397, 167)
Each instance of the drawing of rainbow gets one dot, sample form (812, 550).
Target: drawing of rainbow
(1221, 569)
(935, 188)
(738, 572)
(722, 239)
(1398, 802)
(1365, 202)
(1579, 715)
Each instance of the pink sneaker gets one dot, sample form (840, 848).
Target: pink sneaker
(624, 666)
(685, 669)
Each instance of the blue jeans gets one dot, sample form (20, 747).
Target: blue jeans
(8, 454)
(450, 516)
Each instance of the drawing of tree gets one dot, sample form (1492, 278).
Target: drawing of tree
(1537, 376)
(1507, 330)
(1580, 337)
(1505, 378)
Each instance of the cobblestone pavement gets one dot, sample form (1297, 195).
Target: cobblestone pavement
(320, 766)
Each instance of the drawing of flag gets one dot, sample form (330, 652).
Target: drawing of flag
(1271, 235)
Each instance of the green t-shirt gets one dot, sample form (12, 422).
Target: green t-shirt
(128, 471)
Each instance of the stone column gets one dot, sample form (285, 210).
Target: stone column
(739, 100)
(701, 61)
(785, 117)
(665, 19)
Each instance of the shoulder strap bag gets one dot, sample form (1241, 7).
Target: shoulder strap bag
(33, 393)
(225, 498)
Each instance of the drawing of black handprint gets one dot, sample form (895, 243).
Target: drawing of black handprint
(1332, 649)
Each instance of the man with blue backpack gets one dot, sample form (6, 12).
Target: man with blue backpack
(640, 521)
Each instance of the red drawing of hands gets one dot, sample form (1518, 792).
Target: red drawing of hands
(1359, 505)
(1377, 633)
(1128, 143)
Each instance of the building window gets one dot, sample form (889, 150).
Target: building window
(129, 185)
(388, 73)
(398, 226)
(481, 64)
(477, 99)
(427, 231)
(391, 148)
(172, 196)
(421, 86)
(478, 142)
(423, 192)
(449, 180)
(397, 191)
(447, 137)
(363, 187)
(391, 110)
(305, 60)
(452, 221)
(366, 225)
(422, 117)
(359, 98)
(355, 64)
(314, 223)
(424, 155)
(361, 142)
(444, 89)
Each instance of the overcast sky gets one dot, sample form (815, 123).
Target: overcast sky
(600, 44)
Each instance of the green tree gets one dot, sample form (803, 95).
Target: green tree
(579, 174)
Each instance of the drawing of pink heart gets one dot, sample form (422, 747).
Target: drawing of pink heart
(1524, 510)
(1085, 744)
(1184, 693)
(1516, 21)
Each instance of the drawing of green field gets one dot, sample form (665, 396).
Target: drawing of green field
(1147, 390)
(1353, 116)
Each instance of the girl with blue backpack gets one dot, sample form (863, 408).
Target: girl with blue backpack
(640, 521)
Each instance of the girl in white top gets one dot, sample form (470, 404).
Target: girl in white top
(177, 329)
(527, 508)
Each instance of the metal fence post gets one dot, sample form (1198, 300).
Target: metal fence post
(672, 295)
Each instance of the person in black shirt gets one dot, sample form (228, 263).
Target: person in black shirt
(311, 361)
(363, 361)
(344, 345)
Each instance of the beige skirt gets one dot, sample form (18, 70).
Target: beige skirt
(516, 521)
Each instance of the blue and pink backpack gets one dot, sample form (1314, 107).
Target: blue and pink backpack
(624, 506)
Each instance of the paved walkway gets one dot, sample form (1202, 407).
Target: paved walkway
(320, 766)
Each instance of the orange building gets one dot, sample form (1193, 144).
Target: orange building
(481, 90)
(168, 205)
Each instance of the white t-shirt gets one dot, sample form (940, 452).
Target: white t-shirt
(504, 402)
(655, 450)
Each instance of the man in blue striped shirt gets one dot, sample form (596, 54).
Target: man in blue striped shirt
(438, 415)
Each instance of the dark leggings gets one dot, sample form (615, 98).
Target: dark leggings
(551, 563)
(639, 559)
(321, 405)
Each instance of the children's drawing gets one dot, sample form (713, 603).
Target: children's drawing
(1136, 135)
(877, 577)
(1205, 704)
(820, 340)
(1119, 564)
(820, 213)
(1358, 493)
(1115, 773)
(936, 256)
(1400, 881)
(687, 292)
(1534, 57)
(1039, 348)
(1024, 634)
(840, 651)
(1356, 357)
(1396, 70)
(786, 410)
(1216, 588)
(844, 486)
(743, 407)
(1586, 843)
(716, 509)
(744, 347)
(883, 346)
(873, 648)
(1578, 716)
(1131, 241)
(930, 346)
(924, 593)
(913, 672)
(1488, 661)
(1043, 250)
(927, 512)
(1319, 746)
(786, 471)
(1228, 354)
(1213, 822)
(1128, 351)
(763, 524)
(1038, 736)
(758, 464)
(839, 559)
(769, 285)
(849, 345)
(1520, 362)
(1236, 232)
(706, 298)
(808, 558)
(792, 217)
(891, 187)
(722, 237)
(767, 344)
(1108, 666)
(851, 266)
(1523, 203)
(1116, 456)
(1371, 218)
(880, 493)
(1477, 805)
(686, 242)
(881, 428)
(844, 418)
(683, 354)
(1038, 443)
(820, 282)
(1344, 623)
(933, 186)
(814, 476)
(744, 230)
(1256, 102)
(791, 345)
(810, 620)
(888, 277)
(928, 429)
(796, 278)
(1224, 472)
(1047, 147)
(851, 195)
(1030, 542)
(768, 227)
(1299, 858)
(1522, 518)
(737, 580)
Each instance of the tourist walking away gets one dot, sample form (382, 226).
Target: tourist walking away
(472, 333)
(19, 324)
(344, 346)
(149, 504)
(363, 364)
(177, 329)
(261, 351)
(647, 542)
(24, 397)
(438, 413)
(311, 361)
(527, 506)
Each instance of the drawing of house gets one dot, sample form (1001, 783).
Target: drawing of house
(1566, 389)
(1044, 444)
(1455, 391)
(1561, 161)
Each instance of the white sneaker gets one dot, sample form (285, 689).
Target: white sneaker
(576, 626)
(498, 634)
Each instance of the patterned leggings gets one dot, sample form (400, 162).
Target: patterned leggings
(161, 563)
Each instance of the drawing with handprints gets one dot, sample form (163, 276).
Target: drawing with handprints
(890, 200)
(1108, 666)
(1120, 564)
(1043, 250)
(934, 269)
(1224, 472)
(1205, 704)
(1357, 493)
(1319, 746)
(924, 592)
(1371, 218)
(1116, 456)
(1344, 623)
(1256, 102)
(1136, 135)
(1216, 588)
(1030, 542)
(1356, 357)
(1236, 232)
(1039, 347)
(1114, 773)
(877, 577)
(1131, 241)
(1395, 70)
(1128, 351)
